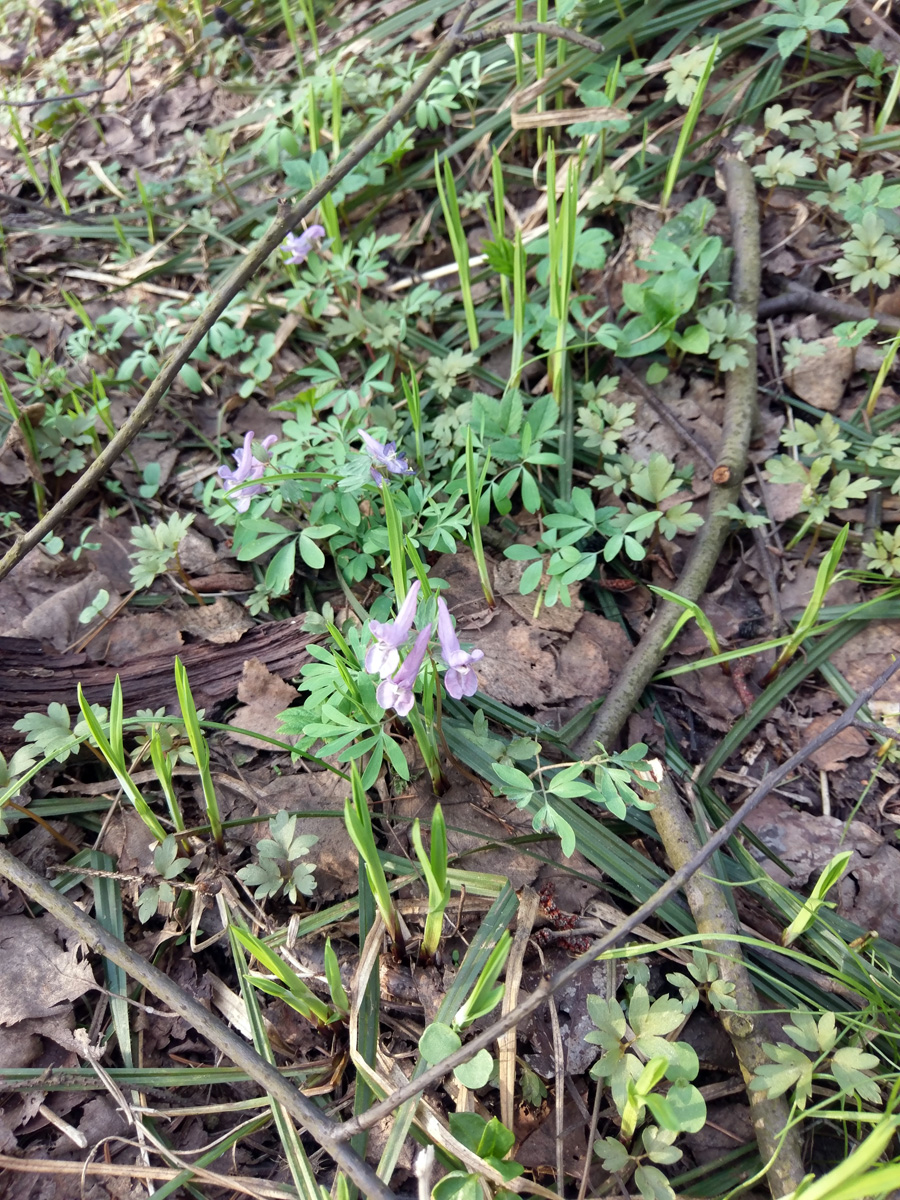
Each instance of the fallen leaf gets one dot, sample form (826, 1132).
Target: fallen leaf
(821, 380)
(55, 620)
(221, 622)
(865, 656)
(869, 891)
(133, 636)
(833, 756)
(37, 973)
(783, 500)
(263, 696)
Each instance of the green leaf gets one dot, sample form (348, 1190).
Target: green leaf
(311, 553)
(612, 1154)
(534, 1090)
(438, 1041)
(687, 1105)
(664, 1015)
(513, 776)
(458, 1186)
(652, 1184)
(789, 1067)
(475, 1073)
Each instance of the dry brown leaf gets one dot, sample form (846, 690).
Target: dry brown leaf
(868, 893)
(784, 500)
(38, 975)
(864, 657)
(132, 636)
(821, 381)
(263, 696)
(833, 756)
(221, 622)
(55, 620)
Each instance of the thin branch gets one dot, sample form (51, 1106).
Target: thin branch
(547, 987)
(806, 300)
(740, 413)
(97, 91)
(778, 1146)
(504, 28)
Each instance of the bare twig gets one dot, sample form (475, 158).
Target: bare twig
(806, 300)
(547, 987)
(778, 1146)
(500, 29)
(61, 99)
(740, 413)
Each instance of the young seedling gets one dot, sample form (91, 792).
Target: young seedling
(453, 221)
(200, 750)
(687, 127)
(336, 990)
(690, 609)
(434, 867)
(359, 825)
(886, 363)
(414, 405)
(287, 985)
(112, 750)
(831, 875)
(824, 579)
(439, 1039)
(475, 485)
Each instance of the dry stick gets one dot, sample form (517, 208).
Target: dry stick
(378, 1112)
(504, 28)
(61, 99)
(740, 412)
(709, 907)
(303, 1110)
(663, 412)
(807, 300)
(288, 219)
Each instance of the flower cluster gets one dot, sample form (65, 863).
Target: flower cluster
(300, 245)
(398, 680)
(386, 456)
(248, 470)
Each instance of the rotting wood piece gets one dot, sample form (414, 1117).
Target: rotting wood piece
(32, 677)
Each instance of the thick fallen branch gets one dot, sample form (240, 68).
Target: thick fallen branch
(712, 914)
(31, 678)
(806, 300)
(740, 413)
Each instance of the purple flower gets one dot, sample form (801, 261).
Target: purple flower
(248, 469)
(396, 692)
(460, 679)
(383, 656)
(386, 456)
(299, 246)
